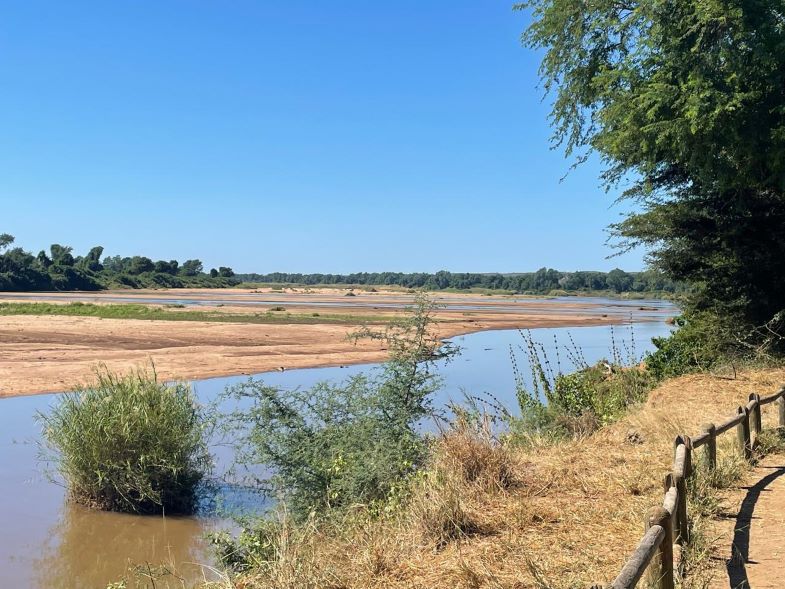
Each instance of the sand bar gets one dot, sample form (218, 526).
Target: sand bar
(55, 353)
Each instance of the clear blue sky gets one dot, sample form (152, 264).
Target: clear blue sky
(290, 135)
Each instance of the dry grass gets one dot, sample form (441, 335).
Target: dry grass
(542, 517)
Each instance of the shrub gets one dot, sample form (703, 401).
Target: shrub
(602, 390)
(129, 443)
(699, 343)
(578, 402)
(330, 446)
(337, 445)
(470, 449)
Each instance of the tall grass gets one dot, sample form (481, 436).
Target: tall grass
(128, 443)
(578, 402)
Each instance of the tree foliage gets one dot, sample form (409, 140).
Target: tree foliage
(684, 101)
(60, 270)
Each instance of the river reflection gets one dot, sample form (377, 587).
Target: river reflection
(88, 548)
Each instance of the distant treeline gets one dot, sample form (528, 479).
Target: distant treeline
(59, 269)
(544, 280)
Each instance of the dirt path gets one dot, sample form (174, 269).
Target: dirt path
(753, 538)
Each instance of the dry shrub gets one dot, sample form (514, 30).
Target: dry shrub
(471, 451)
(577, 427)
(436, 511)
(467, 462)
(281, 554)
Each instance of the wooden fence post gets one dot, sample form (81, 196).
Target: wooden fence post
(756, 416)
(711, 445)
(781, 405)
(680, 482)
(682, 439)
(745, 448)
(661, 568)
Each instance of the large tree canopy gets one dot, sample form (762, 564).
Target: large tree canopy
(684, 101)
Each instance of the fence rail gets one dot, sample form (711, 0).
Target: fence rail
(668, 526)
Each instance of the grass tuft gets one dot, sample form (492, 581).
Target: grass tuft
(128, 443)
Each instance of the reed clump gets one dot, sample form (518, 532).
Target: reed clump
(129, 443)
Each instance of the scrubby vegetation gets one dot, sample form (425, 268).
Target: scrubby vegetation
(356, 477)
(556, 404)
(485, 511)
(365, 545)
(129, 443)
(338, 445)
(61, 270)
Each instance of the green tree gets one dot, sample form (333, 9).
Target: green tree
(619, 280)
(61, 255)
(685, 104)
(92, 261)
(43, 260)
(5, 241)
(140, 264)
(191, 268)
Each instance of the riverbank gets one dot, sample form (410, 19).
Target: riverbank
(54, 352)
(569, 515)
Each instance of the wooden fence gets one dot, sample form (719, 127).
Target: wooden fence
(668, 526)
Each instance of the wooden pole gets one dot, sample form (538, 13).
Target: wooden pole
(755, 417)
(680, 482)
(687, 442)
(636, 566)
(711, 445)
(661, 568)
(781, 406)
(758, 414)
(744, 434)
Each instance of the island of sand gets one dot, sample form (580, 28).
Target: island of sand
(53, 352)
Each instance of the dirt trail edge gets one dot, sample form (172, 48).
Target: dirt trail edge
(753, 537)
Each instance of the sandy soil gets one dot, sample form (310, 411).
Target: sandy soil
(55, 353)
(45, 354)
(753, 531)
